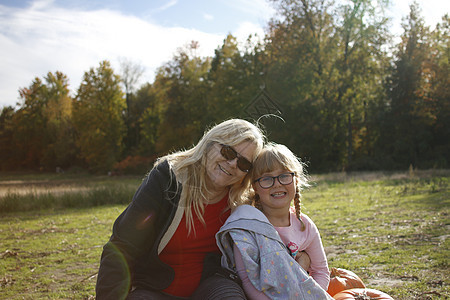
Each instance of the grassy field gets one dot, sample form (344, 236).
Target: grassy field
(390, 229)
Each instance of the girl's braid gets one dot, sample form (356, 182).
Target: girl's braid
(298, 210)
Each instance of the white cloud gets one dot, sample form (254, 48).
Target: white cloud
(45, 38)
(260, 8)
(247, 28)
(208, 17)
(431, 10)
(39, 4)
(167, 5)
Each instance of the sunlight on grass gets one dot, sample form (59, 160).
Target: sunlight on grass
(65, 194)
(392, 233)
(390, 230)
(53, 252)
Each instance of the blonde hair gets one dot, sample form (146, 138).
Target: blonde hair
(275, 156)
(189, 166)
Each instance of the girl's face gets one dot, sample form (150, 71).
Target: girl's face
(278, 196)
(220, 172)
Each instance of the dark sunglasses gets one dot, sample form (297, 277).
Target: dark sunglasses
(229, 154)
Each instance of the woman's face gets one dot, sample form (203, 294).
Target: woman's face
(221, 172)
(278, 196)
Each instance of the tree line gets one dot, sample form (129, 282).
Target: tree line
(349, 97)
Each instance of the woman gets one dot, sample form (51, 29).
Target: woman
(161, 241)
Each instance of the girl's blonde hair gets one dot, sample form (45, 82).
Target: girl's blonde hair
(274, 156)
(189, 166)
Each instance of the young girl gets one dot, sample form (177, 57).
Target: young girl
(278, 179)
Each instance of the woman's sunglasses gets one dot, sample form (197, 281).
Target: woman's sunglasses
(229, 154)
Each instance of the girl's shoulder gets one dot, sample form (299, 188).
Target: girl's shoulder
(303, 215)
(305, 218)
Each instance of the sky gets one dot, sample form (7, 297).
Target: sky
(73, 36)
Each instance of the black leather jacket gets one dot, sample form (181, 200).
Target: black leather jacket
(130, 258)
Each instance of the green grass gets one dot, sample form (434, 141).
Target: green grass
(390, 230)
(393, 233)
(53, 255)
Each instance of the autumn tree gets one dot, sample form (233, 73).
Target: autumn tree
(43, 135)
(234, 79)
(130, 73)
(60, 148)
(149, 120)
(408, 134)
(181, 85)
(349, 100)
(29, 122)
(360, 66)
(325, 65)
(300, 52)
(438, 89)
(8, 159)
(98, 117)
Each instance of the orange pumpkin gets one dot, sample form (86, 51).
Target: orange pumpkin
(342, 279)
(362, 294)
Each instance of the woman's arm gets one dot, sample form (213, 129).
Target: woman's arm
(303, 260)
(134, 233)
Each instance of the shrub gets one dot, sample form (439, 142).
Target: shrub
(134, 165)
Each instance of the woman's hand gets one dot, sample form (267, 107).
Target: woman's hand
(303, 260)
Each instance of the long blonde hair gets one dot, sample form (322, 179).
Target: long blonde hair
(189, 166)
(275, 156)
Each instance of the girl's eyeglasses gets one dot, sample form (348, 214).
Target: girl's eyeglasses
(229, 154)
(268, 181)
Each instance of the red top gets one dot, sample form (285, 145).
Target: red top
(185, 253)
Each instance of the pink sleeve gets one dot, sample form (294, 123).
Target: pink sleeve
(251, 292)
(319, 265)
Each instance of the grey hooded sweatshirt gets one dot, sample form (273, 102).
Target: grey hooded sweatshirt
(270, 267)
